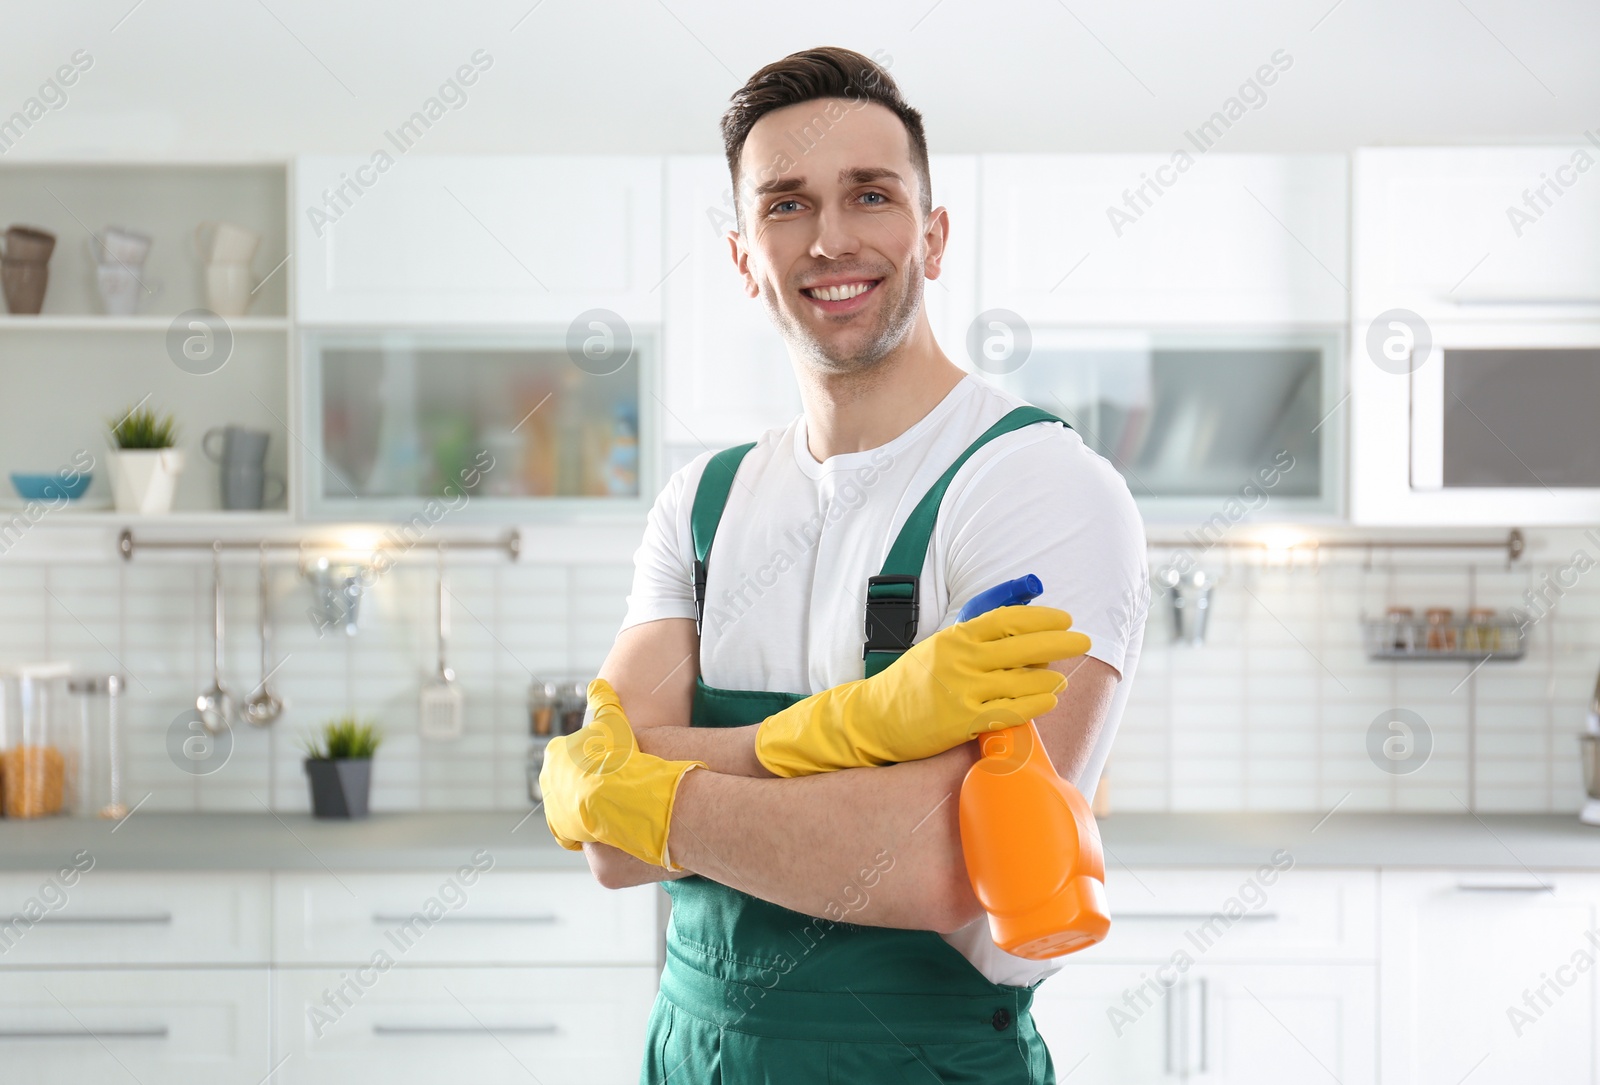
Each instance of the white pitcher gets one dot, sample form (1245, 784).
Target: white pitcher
(226, 249)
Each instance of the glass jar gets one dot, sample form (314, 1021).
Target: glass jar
(544, 700)
(38, 747)
(99, 792)
(1399, 632)
(536, 749)
(1482, 634)
(1441, 634)
(574, 704)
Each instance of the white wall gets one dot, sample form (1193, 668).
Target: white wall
(191, 78)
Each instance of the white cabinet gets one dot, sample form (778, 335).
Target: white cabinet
(1268, 914)
(725, 371)
(556, 1026)
(178, 1026)
(1475, 233)
(1237, 976)
(1270, 1024)
(502, 918)
(1104, 1024)
(1489, 976)
(497, 239)
(1145, 239)
(115, 918)
(727, 375)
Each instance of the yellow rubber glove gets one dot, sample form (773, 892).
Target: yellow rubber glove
(973, 677)
(599, 786)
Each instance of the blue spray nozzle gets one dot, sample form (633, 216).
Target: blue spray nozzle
(1010, 593)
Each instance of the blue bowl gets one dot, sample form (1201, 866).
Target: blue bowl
(49, 487)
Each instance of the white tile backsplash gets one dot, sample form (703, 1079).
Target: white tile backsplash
(1272, 713)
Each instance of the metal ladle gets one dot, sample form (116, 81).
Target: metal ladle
(215, 705)
(263, 706)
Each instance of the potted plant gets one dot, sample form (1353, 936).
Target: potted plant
(145, 462)
(340, 767)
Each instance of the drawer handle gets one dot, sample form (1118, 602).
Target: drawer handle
(157, 1032)
(1199, 917)
(1490, 887)
(85, 920)
(379, 917)
(463, 1030)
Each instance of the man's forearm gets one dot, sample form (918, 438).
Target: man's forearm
(876, 846)
(728, 750)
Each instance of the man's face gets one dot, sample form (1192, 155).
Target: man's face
(834, 240)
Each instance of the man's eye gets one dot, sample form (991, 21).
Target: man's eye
(781, 204)
(880, 195)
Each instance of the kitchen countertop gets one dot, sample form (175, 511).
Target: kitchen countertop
(435, 841)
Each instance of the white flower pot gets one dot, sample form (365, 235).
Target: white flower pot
(143, 479)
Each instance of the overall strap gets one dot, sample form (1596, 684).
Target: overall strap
(710, 497)
(892, 595)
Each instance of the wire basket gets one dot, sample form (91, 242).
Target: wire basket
(1475, 641)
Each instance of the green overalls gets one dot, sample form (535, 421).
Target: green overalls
(753, 992)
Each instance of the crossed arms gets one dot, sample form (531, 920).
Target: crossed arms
(805, 843)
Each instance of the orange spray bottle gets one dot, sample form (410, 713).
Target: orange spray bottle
(1030, 840)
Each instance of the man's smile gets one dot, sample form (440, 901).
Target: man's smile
(841, 297)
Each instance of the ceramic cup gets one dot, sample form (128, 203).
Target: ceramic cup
(25, 268)
(242, 455)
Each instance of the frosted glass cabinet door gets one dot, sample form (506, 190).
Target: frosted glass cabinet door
(1199, 423)
(476, 426)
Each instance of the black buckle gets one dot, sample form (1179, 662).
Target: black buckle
(699, 594)
(891, 624)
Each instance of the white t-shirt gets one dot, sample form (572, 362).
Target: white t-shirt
(787, 573)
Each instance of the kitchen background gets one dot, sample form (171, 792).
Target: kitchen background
(1321, 280)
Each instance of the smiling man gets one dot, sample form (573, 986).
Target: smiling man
(810, 666)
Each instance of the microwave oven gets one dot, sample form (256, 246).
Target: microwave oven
(1477, 423)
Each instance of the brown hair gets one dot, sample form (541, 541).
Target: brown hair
(825, 72)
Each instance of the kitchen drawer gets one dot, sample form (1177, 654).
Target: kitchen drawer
(173, 1026)
(1238, 915)
(551, 1025)
(119, 918)
(502, 918)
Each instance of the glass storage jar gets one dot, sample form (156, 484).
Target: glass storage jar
(38, 741)
(100, 775)
(1441, 633)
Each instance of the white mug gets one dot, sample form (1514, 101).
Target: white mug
(118, 246)
(122, 289)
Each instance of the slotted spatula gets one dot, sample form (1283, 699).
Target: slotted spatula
(440, 706)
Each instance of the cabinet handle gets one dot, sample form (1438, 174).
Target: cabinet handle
(115, 920)
(548, 917)
(463, 1030)
(1204, 1003)
(1472, 887)
(1199, 917)
(155, 1032)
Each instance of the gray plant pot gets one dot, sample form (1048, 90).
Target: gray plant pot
(339, 786)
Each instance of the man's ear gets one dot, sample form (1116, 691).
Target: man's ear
(934, 238)
(741, 261)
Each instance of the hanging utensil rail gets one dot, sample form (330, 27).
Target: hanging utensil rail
(126, 544)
